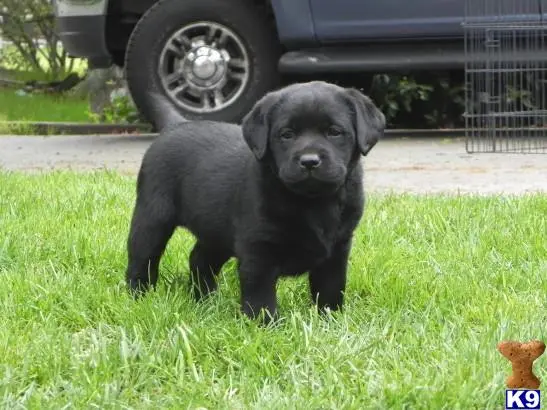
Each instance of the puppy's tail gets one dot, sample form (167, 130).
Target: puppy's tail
(164, 114)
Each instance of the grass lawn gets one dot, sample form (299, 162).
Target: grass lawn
(42, 108)
(434, 284)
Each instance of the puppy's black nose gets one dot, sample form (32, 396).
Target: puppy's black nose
(310, 161)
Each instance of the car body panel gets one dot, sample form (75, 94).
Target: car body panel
(294, 22)
(366, 20)
(81, 27)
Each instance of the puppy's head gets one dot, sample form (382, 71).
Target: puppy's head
(313, 133)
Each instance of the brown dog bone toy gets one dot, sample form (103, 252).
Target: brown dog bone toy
(522, 356)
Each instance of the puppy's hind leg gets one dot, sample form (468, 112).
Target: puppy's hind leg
(152, 226)
(205, 264)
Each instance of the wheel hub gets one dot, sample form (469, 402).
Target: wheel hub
(204, 67)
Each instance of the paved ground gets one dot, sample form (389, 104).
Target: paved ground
(417, 165)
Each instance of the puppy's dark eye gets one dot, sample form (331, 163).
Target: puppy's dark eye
(286, 134)
(334, 132)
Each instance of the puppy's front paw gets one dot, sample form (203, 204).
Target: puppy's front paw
(137, 288)
(326, 311)
(201, 291)
(263, 315)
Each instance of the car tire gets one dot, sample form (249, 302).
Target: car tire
(247, 30)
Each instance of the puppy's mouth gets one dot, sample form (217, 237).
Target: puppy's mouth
(310, 184)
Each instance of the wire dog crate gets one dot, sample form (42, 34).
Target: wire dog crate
(506, 76)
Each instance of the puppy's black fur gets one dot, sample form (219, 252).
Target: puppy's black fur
(283, 193)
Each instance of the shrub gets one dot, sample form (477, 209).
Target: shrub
(420, 100)
(30, 28)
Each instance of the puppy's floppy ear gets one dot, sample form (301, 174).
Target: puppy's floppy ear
(370, 122)
(256, 125)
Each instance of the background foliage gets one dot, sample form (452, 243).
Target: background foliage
(420, 100)
(29, 27)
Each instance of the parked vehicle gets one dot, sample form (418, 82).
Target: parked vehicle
(215, 58)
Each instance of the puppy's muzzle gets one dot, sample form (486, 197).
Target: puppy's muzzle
(309, 161)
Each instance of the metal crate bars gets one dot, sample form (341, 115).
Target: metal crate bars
(506, 76)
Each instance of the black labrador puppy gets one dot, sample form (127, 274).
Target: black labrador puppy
(283, 193)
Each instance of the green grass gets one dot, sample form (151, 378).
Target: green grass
(434, 284)
(39, 107)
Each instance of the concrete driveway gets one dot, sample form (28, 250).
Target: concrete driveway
(400, 165)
